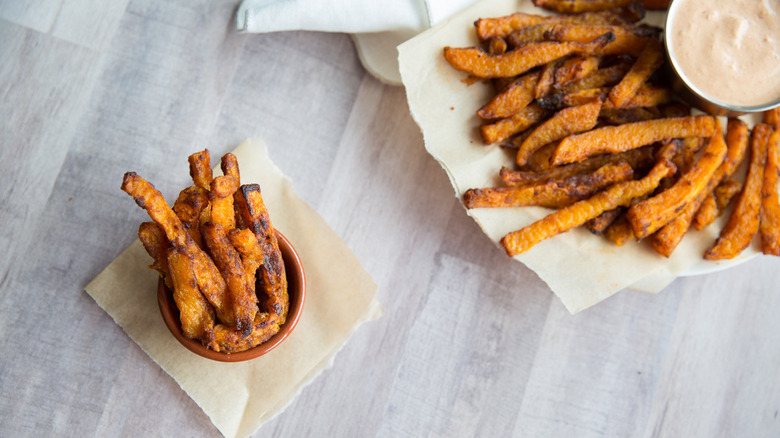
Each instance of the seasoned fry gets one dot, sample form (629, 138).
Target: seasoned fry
(552, 193)
(565, 122)
(770, 203)
(602, 77)
(693, 145)
(547, 79)
(772, 117)
(744, 220)
(575, 98)
(637, 158)
(573, 113)
(580, 212)
(675, 109)
(518, 122)
(241, 289)
(724, 192)
(737, 141)
(477, 62)
(650, 215)
(628, 40)
(516, 96)
(214, 287)
(714, 204)
(195, 313)
(222, 190)
(250, 206)
(579, 6)
(229, 166)
(230, 340)
(539, 162)
(736, 137)
(249, 248)
(670, 180)
(667, 238)
(725, 189)
(516, 140)
(621, 116)
(648, 62)
(498, 46)
(612, 139)
(600, 223)
(200, 169)
(503, 26)
(148, 198)
(687, 155)
(152, 236)
(619, 232)
(209, 280)
(189, 207)
(646, 96)
(574, 69)
(530, 34)
(706, 214)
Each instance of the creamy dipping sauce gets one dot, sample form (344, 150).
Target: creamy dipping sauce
(728, 49)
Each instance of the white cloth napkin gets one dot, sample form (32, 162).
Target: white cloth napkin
(377, 26)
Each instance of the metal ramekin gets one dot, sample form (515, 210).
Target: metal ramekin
(685, 89)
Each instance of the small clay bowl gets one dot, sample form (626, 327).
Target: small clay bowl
(296, 289)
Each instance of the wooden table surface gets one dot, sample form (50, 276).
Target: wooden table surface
(471, 343)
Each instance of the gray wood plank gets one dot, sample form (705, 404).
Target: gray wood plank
(391, 226)
(37, 15)
(720, 377)
(465, 361)
(287, 92)
(156, 98)
(47, 84)
(595, 373)
(89, 23)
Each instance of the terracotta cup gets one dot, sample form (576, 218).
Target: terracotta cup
(296, 288)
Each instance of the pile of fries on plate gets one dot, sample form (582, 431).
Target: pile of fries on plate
(211, 249)
(600, 138)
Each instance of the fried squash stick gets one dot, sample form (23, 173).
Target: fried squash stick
(195, 313)
(770, 203)
(475, 61)
(563, 123)
(579, 6)
(580, 212)
(665, 240)
(744, 220)
(210, 281)
(503, 26)
(251, 208)
(241, 287)
(552, 193)
(650, 215)
(613, 139)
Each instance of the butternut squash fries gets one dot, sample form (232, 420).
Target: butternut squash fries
(600, 138)
(210, 249)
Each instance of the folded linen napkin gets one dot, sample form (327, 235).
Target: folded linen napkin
(376, 26)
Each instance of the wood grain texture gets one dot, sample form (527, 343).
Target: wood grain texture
(38, 15)
(471, 343)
